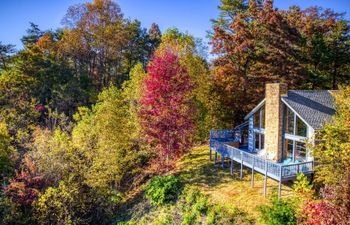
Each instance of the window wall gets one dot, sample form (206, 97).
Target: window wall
(259, 126)
(295, 134)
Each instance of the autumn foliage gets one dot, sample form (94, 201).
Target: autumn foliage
(24, 188)
(166, 114)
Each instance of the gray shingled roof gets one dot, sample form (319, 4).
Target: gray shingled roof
(314, 106)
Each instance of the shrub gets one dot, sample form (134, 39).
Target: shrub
(193, 205)
(302, 185)
(163, 189)
(226, 216)
(323, 212)
(281, 212)
(197, 210)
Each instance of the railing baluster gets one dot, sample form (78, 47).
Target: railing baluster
(219, 138)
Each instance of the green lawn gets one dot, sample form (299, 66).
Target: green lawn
(224, 188)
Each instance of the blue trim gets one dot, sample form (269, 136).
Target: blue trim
(283, 133)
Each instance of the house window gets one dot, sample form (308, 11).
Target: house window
(259, 141)
(300, 151)
(301, 128)
(257, 119)
(288, 149)
(288, 120)
(294, 145)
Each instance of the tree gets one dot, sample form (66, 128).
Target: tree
(155, 36)
(256, 43)
(166, 112)
(25, 187)
(60, 205)
(332, 150)
(137, 49)
(5, 55)
(18, 106)
(332, 172)
(132, 91)
(33, 35)
(7, 152)
(99, 161)
(101, 44)
(190, 56)
(325, 45)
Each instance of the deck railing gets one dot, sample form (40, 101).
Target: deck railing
(219, 142)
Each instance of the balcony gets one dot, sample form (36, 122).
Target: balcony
(227, 144)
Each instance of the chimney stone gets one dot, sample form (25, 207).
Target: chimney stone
(273, 120)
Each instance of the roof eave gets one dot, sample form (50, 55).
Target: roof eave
(256, 108)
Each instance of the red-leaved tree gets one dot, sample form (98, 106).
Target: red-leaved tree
(25, 187)
(166, 108)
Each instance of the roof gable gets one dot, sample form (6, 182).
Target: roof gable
(316, 107)
(256, 108)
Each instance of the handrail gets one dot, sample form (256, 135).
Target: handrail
(275, 170)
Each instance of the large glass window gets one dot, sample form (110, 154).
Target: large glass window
(257, 119)
(288, 120)
(288, 149)
(300, 151)
(259, 141)
(301, 128)
(294, 149)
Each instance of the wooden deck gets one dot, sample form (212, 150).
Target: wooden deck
(220, 143)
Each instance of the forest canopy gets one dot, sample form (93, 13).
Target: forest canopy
(90, 111)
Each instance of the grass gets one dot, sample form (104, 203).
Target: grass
(222, 189)
(197, 170)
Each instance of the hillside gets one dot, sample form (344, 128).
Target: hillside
(223, 190)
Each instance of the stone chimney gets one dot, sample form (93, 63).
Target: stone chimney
(273, 120)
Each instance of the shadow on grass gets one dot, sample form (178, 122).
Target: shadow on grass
(196, 169)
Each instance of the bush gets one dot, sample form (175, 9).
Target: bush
(302, 185)
(281, 212)
(227, 216)
(163, 189)
(193, 205)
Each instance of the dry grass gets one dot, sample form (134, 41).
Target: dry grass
(224, 188)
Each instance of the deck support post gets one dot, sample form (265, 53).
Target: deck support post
(253, 172)
(241, 173)
(265, 180)
(231, 169)
(279, 189)
(222, 160)
(210, 155)
(280, 184)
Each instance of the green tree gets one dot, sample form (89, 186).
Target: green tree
(332, 150)
(7, 152)
(155, 37)
(18, 106)
(5, 55)
(60, 205)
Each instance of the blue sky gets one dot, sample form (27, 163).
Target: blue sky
(187, 15)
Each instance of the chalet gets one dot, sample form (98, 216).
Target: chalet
(274, 139)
